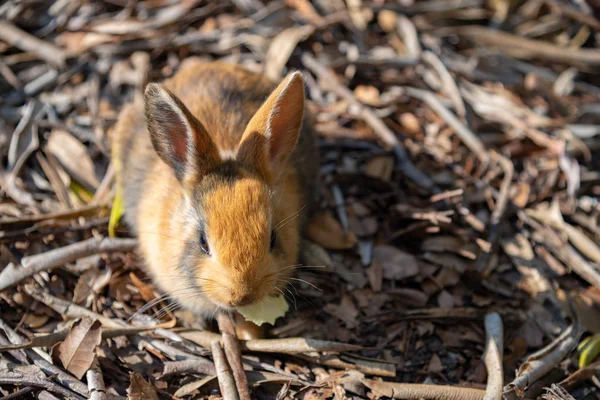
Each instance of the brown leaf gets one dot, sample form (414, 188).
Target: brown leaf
(89, 282)
(145, 291)
(367, 94)
(387, 20)
(410, 122)
(77, 351)
(74, 157)
(327, 232)
(445, 300)
(435, 364)
(380, 167)
(139, 389)
(345, 311)
(396, 264)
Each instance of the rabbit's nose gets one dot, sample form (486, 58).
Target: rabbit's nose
(242, 299)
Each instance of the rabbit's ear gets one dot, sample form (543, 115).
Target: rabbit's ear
(272, 133)
(178, 137)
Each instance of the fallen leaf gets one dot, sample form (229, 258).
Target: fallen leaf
(387, 20)
(445, 300)
(396, 264)
(410, 122)
(139, 389)
(73, 157)
(380, 167)
(313, 255)
(145, 291)
(521, 194)
(345, 311)
(327, 232)
(375, 276)
(89, 282)
(367, 94)
(435, 364)
(77, 351)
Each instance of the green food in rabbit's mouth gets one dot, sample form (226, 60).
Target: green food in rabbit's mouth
(265, 311)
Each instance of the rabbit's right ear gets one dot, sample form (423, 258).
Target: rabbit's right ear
(178, 137)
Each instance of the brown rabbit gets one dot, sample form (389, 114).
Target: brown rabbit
(217, 171)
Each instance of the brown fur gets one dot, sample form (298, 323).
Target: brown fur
(212, 155)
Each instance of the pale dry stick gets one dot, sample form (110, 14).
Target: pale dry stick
(18, 379)
(40, 359)
(411, 391)
(464, 133)
(95, 381)
(27, 42)
(348, 362)
(11, 275)
(69, 309)
(330, 82)
(53, 338)
(287, 345)
(541, 362)
(494, 350)
(410, 37)
(501, 202)
(188, 366)
(520, 47)
(20, 222)
(234, 354)
(449, 84)
(226, 382)
(282, 47)
(564, 252)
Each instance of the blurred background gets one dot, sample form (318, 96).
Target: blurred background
(459, 142)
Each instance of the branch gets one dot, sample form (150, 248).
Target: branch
(226, 382)
(411, 391)
(11, 275)
(494, 350)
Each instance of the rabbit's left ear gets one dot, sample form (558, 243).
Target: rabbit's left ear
(273, 131)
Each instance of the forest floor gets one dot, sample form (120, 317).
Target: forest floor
(456, 246)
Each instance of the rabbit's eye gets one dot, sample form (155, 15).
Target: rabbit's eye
(204, 244)
(273, 239)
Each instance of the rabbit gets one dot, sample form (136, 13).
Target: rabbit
(218, 168)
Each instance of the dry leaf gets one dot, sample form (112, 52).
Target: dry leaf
(77, 351)
(145, 291)
(368, 95)
(380, 167)
(435, 364)
(90, 282)
(74, 158)
(445, 300)
(139, 389)
(327, 232)
(396, 264)
(410, 122)
(345, 311)
(387, 20)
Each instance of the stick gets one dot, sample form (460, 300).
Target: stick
(15, 378)
(287, 345)
(465, 134)
(59, 374)
(96, 382)
(492, 357)
(31, 265)
(26, 42)
(541, 362)
(520, 47)
(409, 391)
(370, 118)
(234, 355)
(226, 382)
